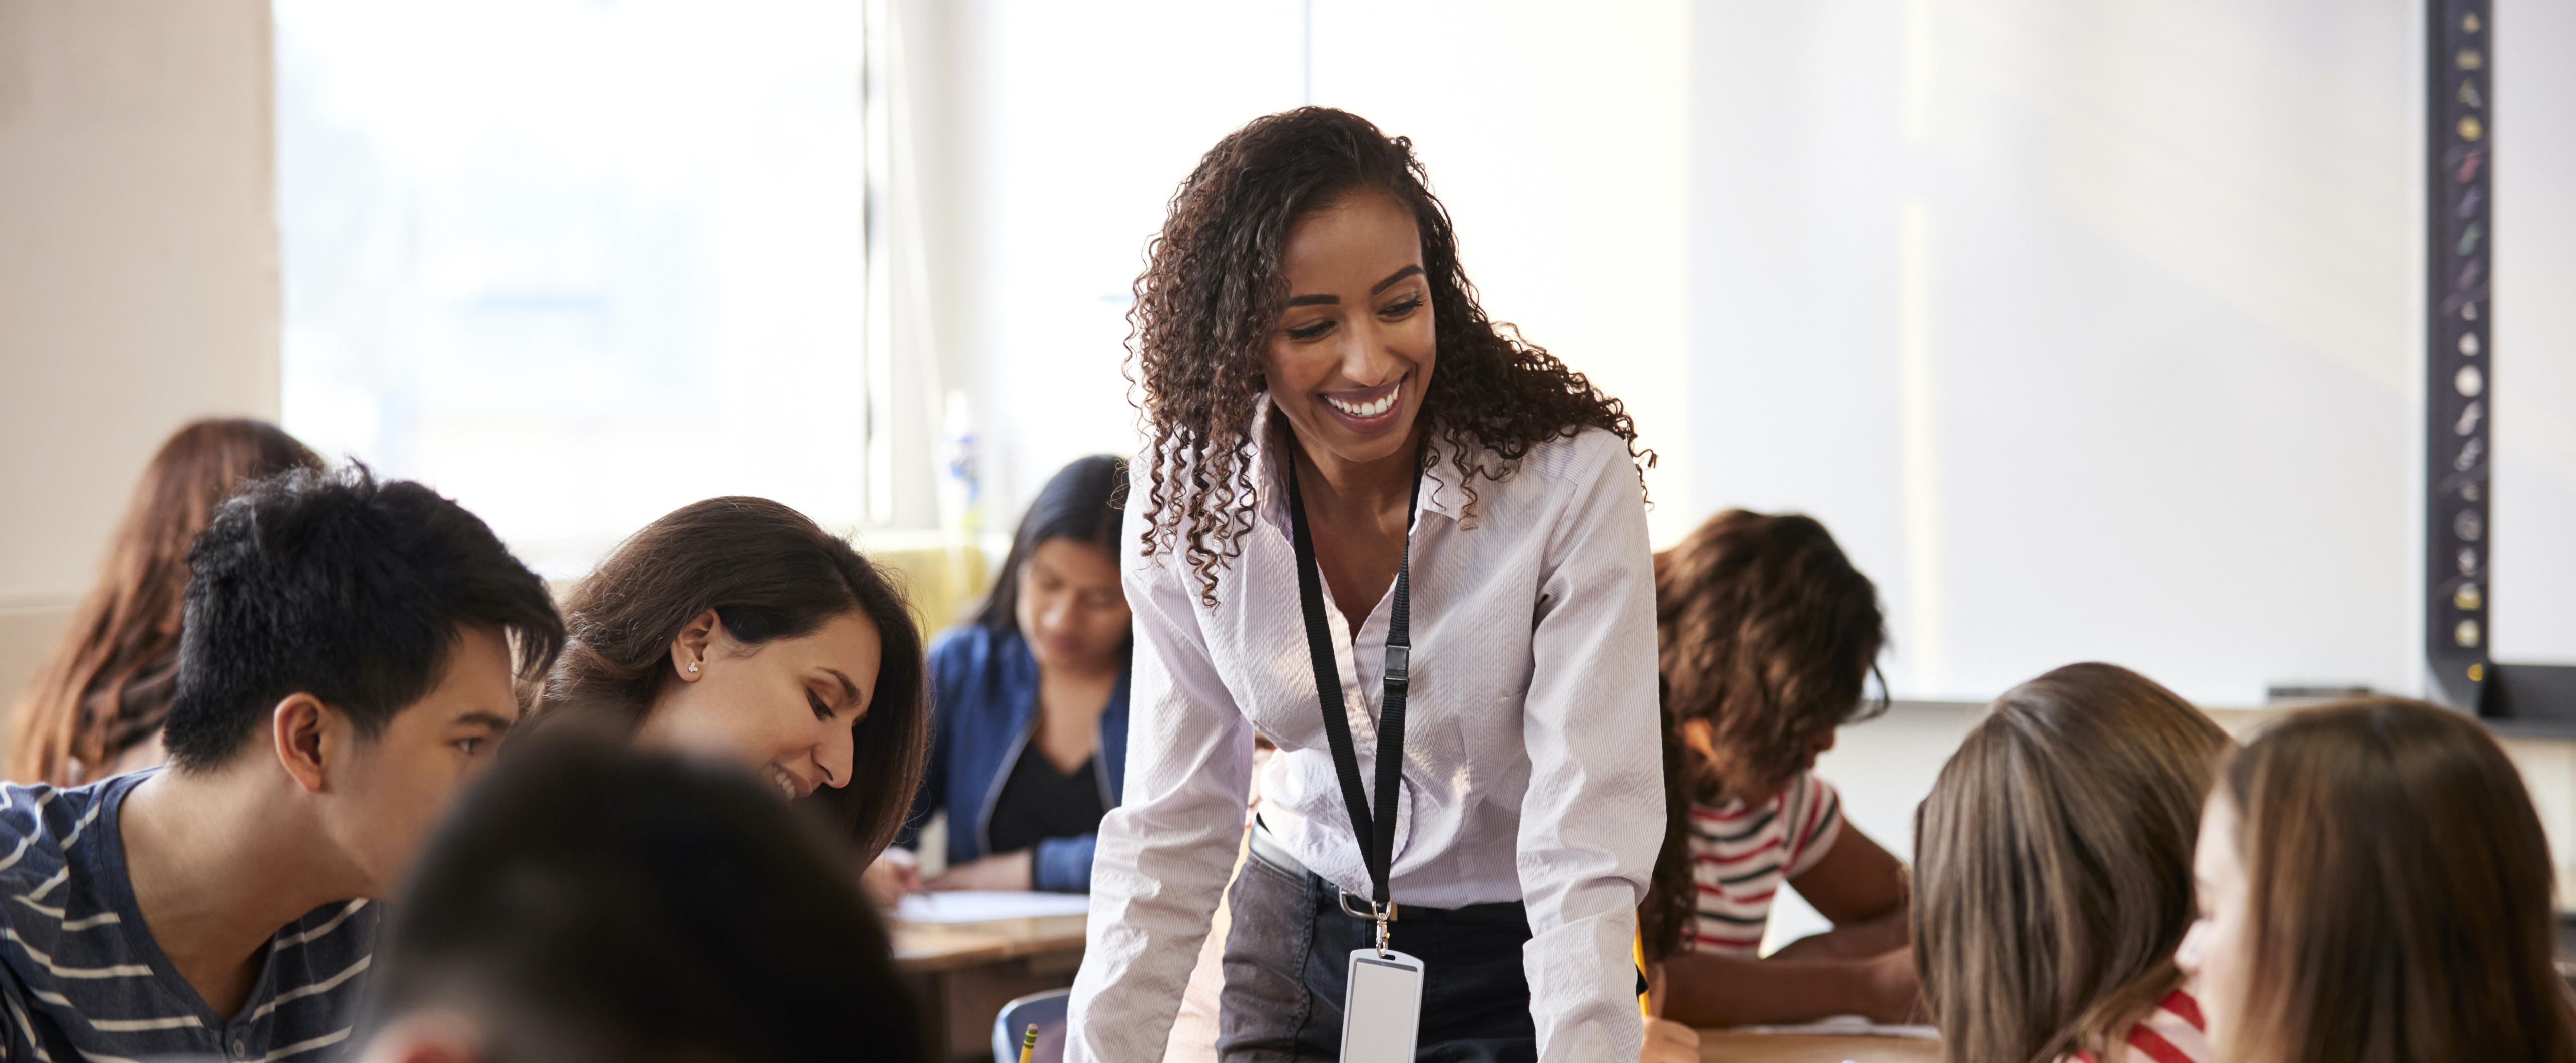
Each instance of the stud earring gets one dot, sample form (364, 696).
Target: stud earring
(693, 667)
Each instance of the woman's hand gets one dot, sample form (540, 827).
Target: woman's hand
(895, 874)
(1000, 871)
(1669, 1042)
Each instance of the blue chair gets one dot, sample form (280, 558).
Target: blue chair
(1046, 1011)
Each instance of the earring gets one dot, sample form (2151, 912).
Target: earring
(693, 667)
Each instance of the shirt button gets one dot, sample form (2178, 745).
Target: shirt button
(240, 1048)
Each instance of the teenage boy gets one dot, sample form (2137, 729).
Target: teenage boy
(344, 667)
(592, 904)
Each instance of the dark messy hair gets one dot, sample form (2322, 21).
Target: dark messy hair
(1766, 631)
(343, 587)
(769, 573)
(108, 687)
(2400, 886)
(1210, 299)
(587, 903)
(1083, 502)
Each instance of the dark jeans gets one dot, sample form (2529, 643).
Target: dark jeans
(1289, 950)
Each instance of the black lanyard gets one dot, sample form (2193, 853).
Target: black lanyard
(1375, 833)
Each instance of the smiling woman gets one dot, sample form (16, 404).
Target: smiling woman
(1349, 459)
(737, 628)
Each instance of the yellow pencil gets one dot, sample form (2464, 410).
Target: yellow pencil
(1029, 1043)
(1637, 947)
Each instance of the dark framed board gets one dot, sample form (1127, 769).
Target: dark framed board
(2459, 425)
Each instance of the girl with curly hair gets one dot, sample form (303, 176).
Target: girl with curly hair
(1767, 635)
(1354, 476)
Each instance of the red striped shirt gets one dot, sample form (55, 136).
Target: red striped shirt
(2173, 1033)
(1743, 854)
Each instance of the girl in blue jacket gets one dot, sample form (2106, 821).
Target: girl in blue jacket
(1029, 717)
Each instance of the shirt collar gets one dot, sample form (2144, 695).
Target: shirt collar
(1441, 494)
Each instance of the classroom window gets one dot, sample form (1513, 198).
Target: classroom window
(577, 264)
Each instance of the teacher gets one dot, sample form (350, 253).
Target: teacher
(1353, 475)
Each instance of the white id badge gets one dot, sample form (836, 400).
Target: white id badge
(1381, 1007)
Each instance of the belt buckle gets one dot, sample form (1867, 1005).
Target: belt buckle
(1370, 912)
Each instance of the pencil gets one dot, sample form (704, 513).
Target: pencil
(1637, 947)
(1029, 1043)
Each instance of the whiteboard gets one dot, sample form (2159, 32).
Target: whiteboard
(2093, 330)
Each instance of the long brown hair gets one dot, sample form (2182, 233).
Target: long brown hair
(1766, 632)
(769, 573)
(1211, 295)
(2052, 865)
(2401, 892)
(108, 685)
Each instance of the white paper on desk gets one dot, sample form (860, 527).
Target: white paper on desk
(983, 906)
(1850, 1026)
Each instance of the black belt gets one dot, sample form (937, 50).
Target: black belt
(1267, 849)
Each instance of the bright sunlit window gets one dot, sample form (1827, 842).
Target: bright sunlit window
(575, 264)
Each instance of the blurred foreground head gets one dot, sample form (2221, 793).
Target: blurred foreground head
(592, 903)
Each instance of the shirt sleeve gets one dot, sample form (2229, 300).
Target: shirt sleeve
(1812, 826)
(1593, 818)
(1063, 865)
(1162, 857)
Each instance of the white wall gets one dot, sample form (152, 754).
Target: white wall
(2092, 329)
(1064, 131)
(138, 269)
(2534, 614)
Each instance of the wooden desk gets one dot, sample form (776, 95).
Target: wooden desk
(1736, 1046)
(965, 972)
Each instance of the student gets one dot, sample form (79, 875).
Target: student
(1029, 725)
(346, 667)
(1311, 356)
(736, 628)
(95, 709)
(2053, 870)
(1767, 636)
(2373, 887)
(552, 918)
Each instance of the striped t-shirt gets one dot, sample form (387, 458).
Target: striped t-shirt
(2173, 1033)
(1743, 854)
(82, 979)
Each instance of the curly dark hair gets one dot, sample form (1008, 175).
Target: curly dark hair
(1765, 630)
(1211, 296)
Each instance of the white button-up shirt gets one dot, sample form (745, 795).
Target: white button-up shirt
(1532, 768)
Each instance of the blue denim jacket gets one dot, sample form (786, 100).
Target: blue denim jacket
(984, 695)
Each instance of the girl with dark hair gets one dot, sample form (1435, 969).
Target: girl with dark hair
(2373, 887)
(735, 627)
(96, 708)
(1766, 635)
(2052, 874)
(1028, 746)
(1410, 549)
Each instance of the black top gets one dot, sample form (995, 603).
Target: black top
(1039, 802)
